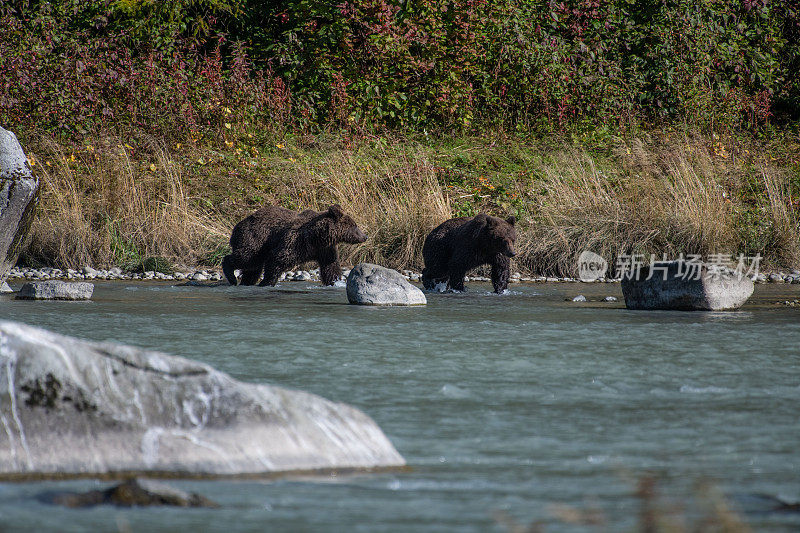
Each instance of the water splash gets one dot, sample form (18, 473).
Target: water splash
(704, 390)
(451, 391)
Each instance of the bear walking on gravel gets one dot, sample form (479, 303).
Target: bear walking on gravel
(275, 239)
(461, 244)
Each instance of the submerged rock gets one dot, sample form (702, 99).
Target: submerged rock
(195, 283)
(135, 492)
(56, 290)
(18, 200)
(369, 284)
(764, 503)
(72, 407)
(686, 286)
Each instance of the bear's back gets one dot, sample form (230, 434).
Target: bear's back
(446, 232)
(259, 227)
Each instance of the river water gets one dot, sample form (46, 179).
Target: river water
(511, 410)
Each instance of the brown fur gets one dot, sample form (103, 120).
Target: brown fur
(461, 244)
(275, 239)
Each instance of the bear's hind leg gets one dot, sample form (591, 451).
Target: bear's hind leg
(272, 273)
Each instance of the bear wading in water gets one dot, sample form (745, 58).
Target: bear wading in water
(461, 244)
(275, 239)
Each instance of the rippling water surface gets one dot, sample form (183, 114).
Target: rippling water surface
(507, 408)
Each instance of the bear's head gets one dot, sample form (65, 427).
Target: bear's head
(342, 227)
(497, 235)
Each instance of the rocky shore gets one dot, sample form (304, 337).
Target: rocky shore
(88, 273)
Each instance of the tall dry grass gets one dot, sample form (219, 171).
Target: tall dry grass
(680, 200)
(782, 219)
(113, 207)
(396, 200)
(103, 208)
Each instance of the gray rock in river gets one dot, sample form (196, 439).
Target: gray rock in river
(369, 284)
(72, 407)
(56, 290)
(137, 492)
(4, 288)
(686, 286)
(18, 200)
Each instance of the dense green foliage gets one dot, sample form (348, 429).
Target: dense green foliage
(193, 66)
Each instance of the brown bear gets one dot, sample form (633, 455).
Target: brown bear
(461, 244)
(275, 239)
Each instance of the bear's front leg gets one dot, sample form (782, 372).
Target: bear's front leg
(501, 269)
(432, 274)
(249, 277)
(457, 279)
(329, 269)
(427, 280)
(228, 268)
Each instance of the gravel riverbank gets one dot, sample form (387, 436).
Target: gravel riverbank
(88, 273)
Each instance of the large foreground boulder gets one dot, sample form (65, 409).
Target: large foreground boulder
(56, 290)
(72, 407)
(18, 199)
(369, 284)
(685, 286)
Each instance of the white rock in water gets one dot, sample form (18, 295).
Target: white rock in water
(369, 284)
(5, 289)
(72, 407)
(685, 286)
(18, 200)
(56, 290)
(579, 298)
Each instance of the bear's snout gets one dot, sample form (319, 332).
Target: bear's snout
(360, 237)
(511, 253)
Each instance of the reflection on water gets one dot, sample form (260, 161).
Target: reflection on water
(500, 403)
(727, 316)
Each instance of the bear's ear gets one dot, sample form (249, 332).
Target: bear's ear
(335, 212)
(512, 220)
